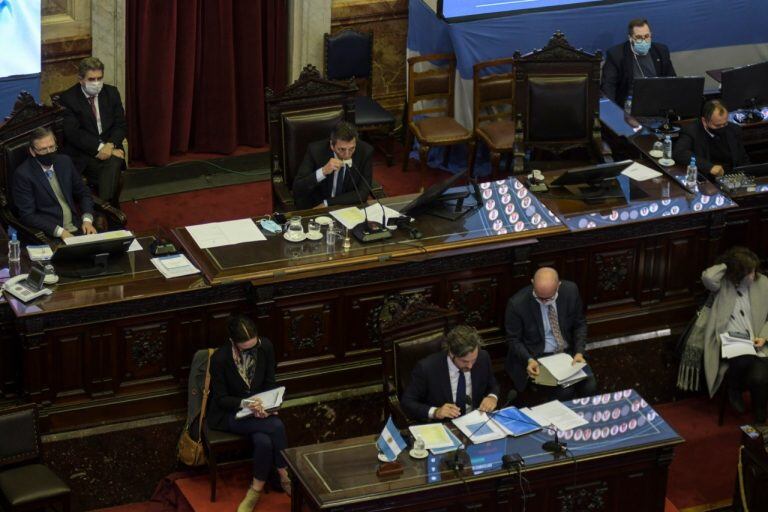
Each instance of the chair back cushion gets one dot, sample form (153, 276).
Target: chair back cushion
(431, 84)
(14, 153)
(300, 128)
(348, 55)
(557, 108)
(408, 352)
(20, 436)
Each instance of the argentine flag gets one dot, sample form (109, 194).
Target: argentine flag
(390, 442)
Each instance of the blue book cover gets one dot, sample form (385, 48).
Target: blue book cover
(515, 422)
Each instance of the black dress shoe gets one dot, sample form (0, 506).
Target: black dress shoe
(736, 399)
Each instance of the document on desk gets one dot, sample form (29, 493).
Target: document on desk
(514, 422)
(220, 234)
(434, 435)
(556, 414)
(640, 172)
(379, 213)
(349, 217)
(39, 252)
(735, 346)
(478, 427)
(271, 401)
(559, 370)
(97, 237)
(174, 265)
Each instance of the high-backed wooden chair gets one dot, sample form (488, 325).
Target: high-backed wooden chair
(306, 111)
(410, 329)
(429, 116)
(14, 143)
(349, 55)
(557, 94)
(493, 112)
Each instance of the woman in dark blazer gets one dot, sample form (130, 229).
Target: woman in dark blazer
(240, 368)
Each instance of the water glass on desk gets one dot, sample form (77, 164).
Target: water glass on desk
(295, 229)
(333, 236)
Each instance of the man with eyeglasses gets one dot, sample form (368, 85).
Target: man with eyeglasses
(714, 141)
(48, 192)
(545, 318)
(339, 172)
(638, 57)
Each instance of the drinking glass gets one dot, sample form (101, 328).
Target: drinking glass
(295, 229)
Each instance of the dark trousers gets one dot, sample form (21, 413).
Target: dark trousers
(750, 372)
(585, 387)
(268, 439)
(104, 177)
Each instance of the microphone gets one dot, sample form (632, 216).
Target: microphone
(369, 231)
(554, 446)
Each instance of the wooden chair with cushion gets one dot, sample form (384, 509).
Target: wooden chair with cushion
(349, 55)
(410, 329)
(26, 483)
(494, 109)
(429, 116)
(26, 116)
(557, 103)
(305, 112)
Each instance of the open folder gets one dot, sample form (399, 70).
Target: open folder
(560, 370)
(271, 401)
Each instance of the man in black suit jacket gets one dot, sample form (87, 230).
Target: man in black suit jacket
(437, 381)
(337, 173)
(48, 192)
(94, 128)
(714, 141)
(636, 58)
(531, 334)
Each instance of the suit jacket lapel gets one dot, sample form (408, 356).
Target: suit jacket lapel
(85, 105)
(476, 389)
(39, 174)
(536, 313)
(445, 382)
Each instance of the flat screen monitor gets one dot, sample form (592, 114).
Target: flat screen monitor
(90, 259)
(656, 97)
(593, 175)
(745, 87)
(756, 170)
(431, 195)
(464, 10)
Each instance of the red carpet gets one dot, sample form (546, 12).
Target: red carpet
(252, 199)
(230, 490)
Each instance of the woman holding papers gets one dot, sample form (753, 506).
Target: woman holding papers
(242, 367)
(739, 310)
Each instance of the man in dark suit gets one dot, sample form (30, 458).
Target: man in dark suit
(94, 129)
(48, 192)
(714, 141)
(339, 172)
(636, 58)
(545, 318)
(452, 382)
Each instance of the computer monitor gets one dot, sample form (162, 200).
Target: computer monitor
(433, 195)
(756, 170)
(660, 96)
(745, 87)
(91, 259)
(592, 176)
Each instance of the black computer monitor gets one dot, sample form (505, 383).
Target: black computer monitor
(90, 259)
(660, 96)
(745, 87)
(434, 195)
(756, 170)
(593, 175)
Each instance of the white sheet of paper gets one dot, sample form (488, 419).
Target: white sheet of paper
(349, 217)
(561, 366)
(270, 400)
(555, 413)
(735, 347)
(176, 265)
(106, 235)
(39, 252)
(135, 246)
(376, 214)
(219, 234)
(640, 172)
(478, 428)
(434, 435)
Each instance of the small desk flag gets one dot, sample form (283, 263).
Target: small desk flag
(390, 442)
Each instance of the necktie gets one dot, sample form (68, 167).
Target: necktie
(555, 325)
(92, 101)
(48, 173)
(338, 181)
(461, 393)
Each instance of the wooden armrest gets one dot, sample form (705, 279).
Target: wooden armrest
(283, 195)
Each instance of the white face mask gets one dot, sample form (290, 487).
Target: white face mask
(93, 88)
(547, 302)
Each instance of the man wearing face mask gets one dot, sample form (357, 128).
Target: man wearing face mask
(48, 192)
(542, 319)
(335, 172)
(714, 141)
(94, 129)
(638, 57)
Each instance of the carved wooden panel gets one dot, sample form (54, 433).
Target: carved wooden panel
(69, 357)
(612, 276)
(306, 331)
(683, 265)
(478, 299)
(145, 350)
(592, 497)
(102, 360)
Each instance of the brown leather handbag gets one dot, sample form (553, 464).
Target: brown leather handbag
(189, 451)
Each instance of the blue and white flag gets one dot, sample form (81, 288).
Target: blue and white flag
(390, 442)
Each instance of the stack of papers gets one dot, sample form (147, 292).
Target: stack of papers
(640, 172)
(559, 370)
(97, 237)
(175, 265)
(271, 401)
(352, 216)
(219, 234)
(556, 414)
(735, 346)
(39, 252)
(437, 438)
(480, 427)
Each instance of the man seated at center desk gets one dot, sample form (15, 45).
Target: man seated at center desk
(335, 173)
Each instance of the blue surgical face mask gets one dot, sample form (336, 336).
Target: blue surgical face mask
(641, 47)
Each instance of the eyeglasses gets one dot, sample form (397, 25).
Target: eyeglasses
(640, 39)
(45, 151)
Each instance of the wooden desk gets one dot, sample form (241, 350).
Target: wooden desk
(626, 470)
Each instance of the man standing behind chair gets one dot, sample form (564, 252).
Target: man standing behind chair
(94, 129)
(636, 58)
(339, 172)
(452, 382)
(47, 189)
(546, 318)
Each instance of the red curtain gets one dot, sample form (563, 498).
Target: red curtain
(197, 70)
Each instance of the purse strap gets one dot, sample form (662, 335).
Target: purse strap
(206, 390)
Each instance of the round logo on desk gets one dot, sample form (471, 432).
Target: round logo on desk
(543, 224)
(644, 211)
(509, 208)
(490, 204)
(526, 202)
(517, 184)
(498, 225)
(704, 199)
(633, 214)
(514, 218)
(487, 193)
(719, 200)
(536, 218)
(503, 189)
(519, 226)
(697, 207)
(500, 182)
(674, 210)
(506, 198)
(493, 214)
(485, 185)
(577, 435)
(522, 193)
(623, 427)
(624, 216)
(653, 208)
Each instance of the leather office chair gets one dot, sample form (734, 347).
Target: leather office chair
(14, 143)
(305, 112)
(410, 329)
(557, 95)
(26, 483)
(494, 109)
(349, 55)
(432, 122)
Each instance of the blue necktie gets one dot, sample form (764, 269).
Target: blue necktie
(461, 393)
(48, 173)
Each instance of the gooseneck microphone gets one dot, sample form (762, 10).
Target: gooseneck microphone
(369, 231)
